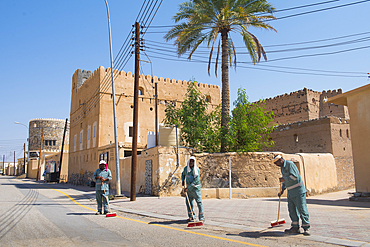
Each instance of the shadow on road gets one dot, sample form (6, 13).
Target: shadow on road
(336, 203)
(169, 222)
(259, 234)
(81, 213)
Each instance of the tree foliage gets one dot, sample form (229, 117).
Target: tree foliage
(199, 129)
(204, 20)
(250, 125)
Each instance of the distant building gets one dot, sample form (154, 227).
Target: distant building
(307, 124)
(51, 142)
(304, 105)
(92, 128)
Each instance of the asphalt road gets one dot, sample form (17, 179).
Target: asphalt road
(33, 214)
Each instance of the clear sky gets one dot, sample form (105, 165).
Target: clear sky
(42, 43)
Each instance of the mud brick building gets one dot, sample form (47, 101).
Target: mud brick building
(307, 124)
(91, 115)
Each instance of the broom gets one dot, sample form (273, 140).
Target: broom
(281, 221)
(194, 223)
(109, 214)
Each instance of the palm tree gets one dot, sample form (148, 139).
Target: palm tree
(204, 20)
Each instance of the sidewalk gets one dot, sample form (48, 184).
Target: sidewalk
(334, 219)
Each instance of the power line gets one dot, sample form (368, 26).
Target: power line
(333, 73)
(319, 10)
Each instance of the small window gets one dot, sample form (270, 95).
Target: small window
(81, 125)
(141, 91)
(94, 132)
(54, 142)
(296, 138)
(340, 133)
(88, 134)
(46, 142)
(347, 132)
(130, 131)
(80, 137)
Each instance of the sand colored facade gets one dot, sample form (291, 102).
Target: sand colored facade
(253, 174)
(322, 135)
(304, 105)
(358, 102)
(91, 116)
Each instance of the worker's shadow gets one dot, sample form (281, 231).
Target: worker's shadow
(168, 222)
(259, 234)
(80, 213)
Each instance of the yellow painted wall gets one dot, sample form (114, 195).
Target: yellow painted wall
(359, 110)
(358, 102)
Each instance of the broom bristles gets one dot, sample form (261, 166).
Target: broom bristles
(192, 224)
(111, 215)
(278, 222)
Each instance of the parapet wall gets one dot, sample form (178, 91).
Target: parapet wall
(303, 105)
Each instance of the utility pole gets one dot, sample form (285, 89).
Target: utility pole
(38, 167)
(136, 114)
(61, 151)
(24, 158)
(3, 164)
(14, 165)
(156, 113)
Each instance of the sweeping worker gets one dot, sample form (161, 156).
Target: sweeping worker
(102, 176)
(190, 176)
(297, 205)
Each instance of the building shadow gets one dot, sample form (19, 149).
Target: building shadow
(334, 203)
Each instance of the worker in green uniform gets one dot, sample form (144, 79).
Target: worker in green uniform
(102, 175)
(190, 176)
(297, 205)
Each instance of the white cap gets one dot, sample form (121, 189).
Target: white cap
(102, 162)
(276, 158)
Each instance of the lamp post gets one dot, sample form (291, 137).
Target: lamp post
(28, 147)
(118, 180)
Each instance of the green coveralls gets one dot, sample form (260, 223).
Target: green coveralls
(297, 205)
(101, 197)
(193, 185)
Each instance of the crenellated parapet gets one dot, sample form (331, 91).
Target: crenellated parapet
(303, 105)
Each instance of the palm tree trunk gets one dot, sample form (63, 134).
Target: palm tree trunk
(225, 109)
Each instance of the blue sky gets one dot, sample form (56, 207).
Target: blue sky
(42, 43)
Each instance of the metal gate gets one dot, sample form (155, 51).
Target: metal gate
(148, 177)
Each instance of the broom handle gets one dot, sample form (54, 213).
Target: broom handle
(106, 198)
(279, 203)
(191, 210)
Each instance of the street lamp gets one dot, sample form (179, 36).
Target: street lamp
(118, 180)
(28, 148)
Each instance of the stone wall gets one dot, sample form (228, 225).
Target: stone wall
(304, 105)
(53, 131)
(248, 170)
